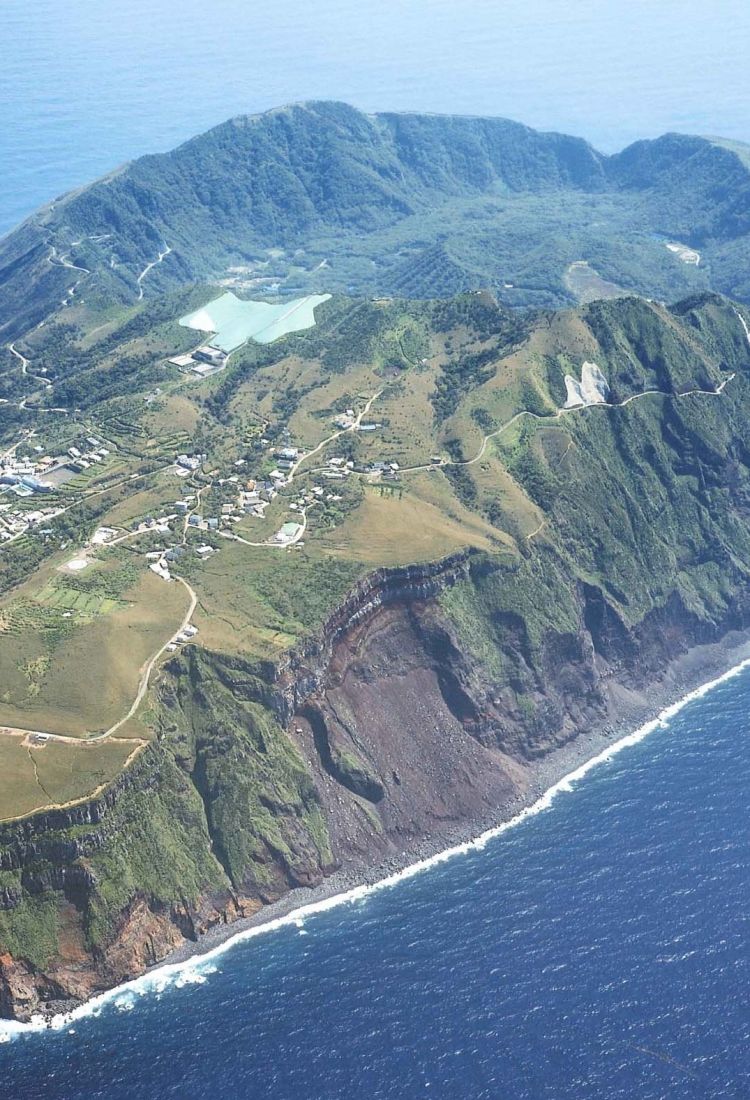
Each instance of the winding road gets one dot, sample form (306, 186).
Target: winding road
(148, 267)
(148, 667)
(336, 435)
(143, 683)
(24, 360)
(60, 260)
(556, 416)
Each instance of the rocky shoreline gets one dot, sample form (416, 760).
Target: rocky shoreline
(629, 710)
(397, 698)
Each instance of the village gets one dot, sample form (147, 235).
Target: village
(36, 475)
(44, 474)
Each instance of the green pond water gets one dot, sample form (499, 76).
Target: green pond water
(235, 321)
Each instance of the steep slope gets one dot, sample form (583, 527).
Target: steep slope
(262, 201)
(427, 699)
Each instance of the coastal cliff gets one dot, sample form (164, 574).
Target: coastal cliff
(418, 701)
(385, 729)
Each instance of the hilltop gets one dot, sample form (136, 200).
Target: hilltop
(311, 550)
(340, 590)
(321, 196)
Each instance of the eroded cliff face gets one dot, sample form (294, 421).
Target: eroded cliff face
(425, 703)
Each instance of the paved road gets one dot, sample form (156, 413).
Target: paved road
(148, 267)
(62, 261)
(556, 416)
(335, 435)
(143, 684)
(146, 673)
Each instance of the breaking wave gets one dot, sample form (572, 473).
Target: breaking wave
(198, 969)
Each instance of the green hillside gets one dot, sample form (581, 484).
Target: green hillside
(322, 197)
(296, 606)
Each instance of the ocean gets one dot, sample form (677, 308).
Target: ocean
(86, 84)
(596, 949)
(599, 947)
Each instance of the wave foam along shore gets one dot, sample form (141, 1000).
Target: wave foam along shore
(197, 969)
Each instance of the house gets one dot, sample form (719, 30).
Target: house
(102, 535)
(189, 462)
(267, 491)
(195, 521)
(36, 485)
(287, 533)
(211, 355)
(213, 523)
(288, 454)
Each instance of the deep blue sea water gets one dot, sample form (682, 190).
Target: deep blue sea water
(597, 950)
(600, 948)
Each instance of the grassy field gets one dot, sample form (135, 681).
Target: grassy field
(71, 649)
(32, 777)
(260, 601)
(152, 501)
(172, 413)
(585, 282)
(394, 526)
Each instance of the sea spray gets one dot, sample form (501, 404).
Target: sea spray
(197, 969)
